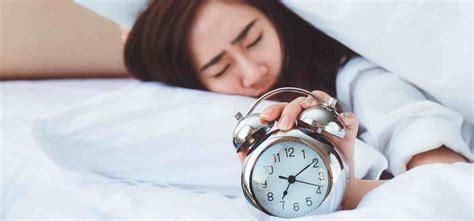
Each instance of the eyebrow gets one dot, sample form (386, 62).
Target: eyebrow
(239, 37)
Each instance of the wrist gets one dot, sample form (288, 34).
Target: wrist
(347, 199)
(357, 188)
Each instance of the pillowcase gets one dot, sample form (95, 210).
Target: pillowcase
(150, 132)
(428, 43)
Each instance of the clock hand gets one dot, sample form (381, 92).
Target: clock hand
(295, 180)
(305, 167)
(308, 183)
(286, 191)
(291, 179)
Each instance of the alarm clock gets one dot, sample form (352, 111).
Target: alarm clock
(295, 172)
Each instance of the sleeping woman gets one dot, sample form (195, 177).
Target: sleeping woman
(250, 47)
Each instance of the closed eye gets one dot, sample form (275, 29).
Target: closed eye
(256, 40)
(221, 72)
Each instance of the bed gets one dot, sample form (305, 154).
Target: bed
(89, 148)
(35, 187)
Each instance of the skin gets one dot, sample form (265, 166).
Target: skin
(252, 71)
(357, 187)
(250, 66)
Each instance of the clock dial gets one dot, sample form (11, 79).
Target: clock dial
(289, 179)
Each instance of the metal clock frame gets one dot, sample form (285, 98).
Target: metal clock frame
(327, 152)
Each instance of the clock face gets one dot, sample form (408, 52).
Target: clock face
(289, 179)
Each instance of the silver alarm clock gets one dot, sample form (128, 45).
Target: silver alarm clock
(296, 172)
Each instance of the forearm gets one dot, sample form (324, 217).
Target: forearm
(439, 155)
(357, 189)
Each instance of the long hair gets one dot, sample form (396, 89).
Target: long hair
(157, 48)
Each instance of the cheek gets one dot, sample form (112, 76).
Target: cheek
(272, 54)
(223, 85)
(273, 59)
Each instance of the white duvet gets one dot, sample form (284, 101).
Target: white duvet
(33, 187)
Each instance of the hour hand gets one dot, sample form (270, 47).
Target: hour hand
(286, 191)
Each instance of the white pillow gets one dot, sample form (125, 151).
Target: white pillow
(159, 134)
(148, 132)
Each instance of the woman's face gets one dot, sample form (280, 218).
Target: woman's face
(235, 49)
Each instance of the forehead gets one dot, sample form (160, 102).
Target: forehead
(216, 24)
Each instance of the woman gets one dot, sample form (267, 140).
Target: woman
(248, 48)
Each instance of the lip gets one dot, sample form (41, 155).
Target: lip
(266, 89)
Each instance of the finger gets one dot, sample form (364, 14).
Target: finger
(351, 126)
(334, 139)
(310, 101)
(346, 148)
(242, 154)
(272, 112)
(346, 144)
(290, 113)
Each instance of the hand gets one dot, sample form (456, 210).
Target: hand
(287, 113)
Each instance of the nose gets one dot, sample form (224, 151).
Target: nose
(252, 72)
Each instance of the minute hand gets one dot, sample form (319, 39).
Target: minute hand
(304, 168)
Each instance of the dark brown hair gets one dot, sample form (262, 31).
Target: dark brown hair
(157, 48)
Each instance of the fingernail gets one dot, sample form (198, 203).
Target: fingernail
(266, 113)
(284, 123)
(345, 116)
(306, 102)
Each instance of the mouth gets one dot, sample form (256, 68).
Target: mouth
(265, 89)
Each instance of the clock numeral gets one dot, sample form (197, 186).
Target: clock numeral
(289, 152)
(264, 184)
(276, 157)
(316, 161)
(304, 155)
(308, 201)
(318, 191)
(296, 207)
(268, 170)
(270, 196)
(282, 204)
(321, 176)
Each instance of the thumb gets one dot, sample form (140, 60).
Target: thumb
(351, 126)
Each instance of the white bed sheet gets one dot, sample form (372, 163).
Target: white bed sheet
(35, 188)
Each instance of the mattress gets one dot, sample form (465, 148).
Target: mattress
(33, 187)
